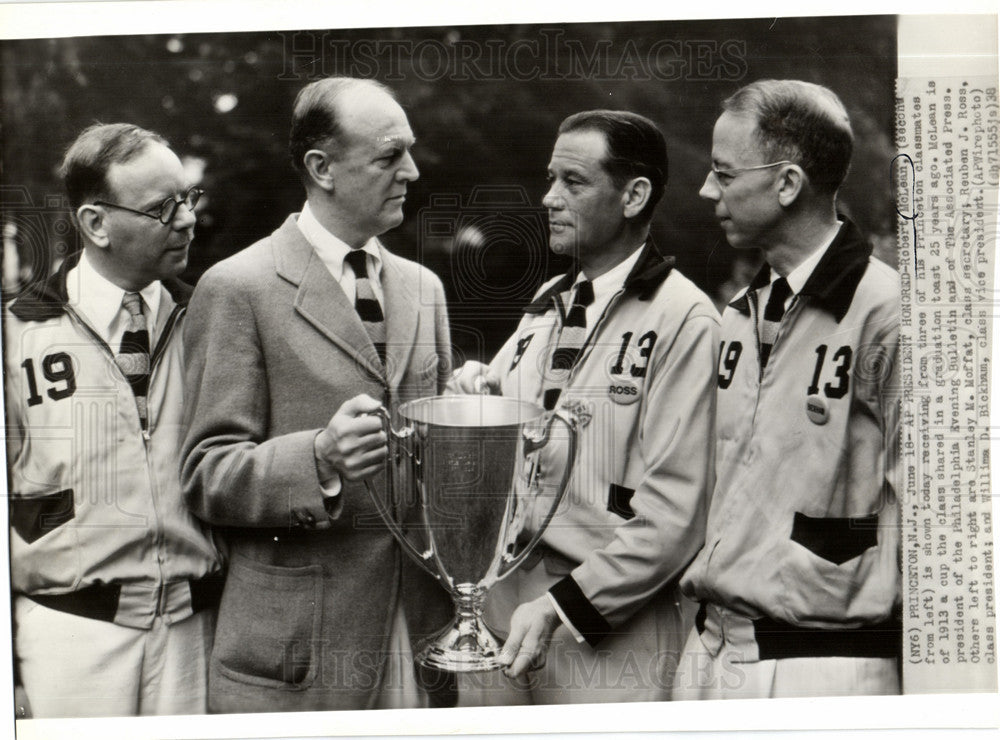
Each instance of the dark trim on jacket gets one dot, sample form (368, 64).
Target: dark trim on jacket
(47, 299)
(834, 281)
(648, 273)
(577, 607)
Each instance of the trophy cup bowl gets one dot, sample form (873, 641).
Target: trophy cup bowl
(470, 464)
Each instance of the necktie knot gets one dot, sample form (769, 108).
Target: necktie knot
(133, 304)
(584, 293)
(357, 259)
(775, 309)
(582, 297)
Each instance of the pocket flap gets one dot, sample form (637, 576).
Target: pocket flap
(35, 516)
(836, 539)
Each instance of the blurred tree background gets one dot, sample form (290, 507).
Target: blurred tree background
(484, 102)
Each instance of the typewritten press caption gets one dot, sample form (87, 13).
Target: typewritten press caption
(946, 136)
(947, 177)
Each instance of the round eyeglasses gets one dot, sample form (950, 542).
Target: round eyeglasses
(725, 177)
(167, 210)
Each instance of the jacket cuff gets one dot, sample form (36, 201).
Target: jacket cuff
(585, 618)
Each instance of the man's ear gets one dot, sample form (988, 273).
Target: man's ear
(317, 164)
(790, 185)
(90, 219)
(636, 196)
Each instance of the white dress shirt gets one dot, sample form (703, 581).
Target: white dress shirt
(332, 251)
(99, 302)
(798, 277)
(606, 285)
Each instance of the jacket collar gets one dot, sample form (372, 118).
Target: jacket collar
(649, 272)
(322, 302)
(47, 299)
(834, 281)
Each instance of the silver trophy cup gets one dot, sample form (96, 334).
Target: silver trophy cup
(466, 470)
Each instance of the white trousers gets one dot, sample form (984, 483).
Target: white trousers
(399, 689)
(701, 675)
(78, 667)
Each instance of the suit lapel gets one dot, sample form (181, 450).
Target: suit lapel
(320, 300)
(402, 315)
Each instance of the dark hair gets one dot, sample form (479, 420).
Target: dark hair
(315, 123)
(802, 122)
(635, 148)
(85, 165)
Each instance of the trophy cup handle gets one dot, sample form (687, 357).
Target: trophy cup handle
(399, 437)
(533, 444)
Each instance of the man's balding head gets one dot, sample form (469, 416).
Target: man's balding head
(317, 115)
(800, 122)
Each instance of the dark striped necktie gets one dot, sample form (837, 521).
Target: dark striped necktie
(570, 344)
(133, 353)
(365, 302)
(773, 312)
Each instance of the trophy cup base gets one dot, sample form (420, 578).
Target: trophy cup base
(466, 645)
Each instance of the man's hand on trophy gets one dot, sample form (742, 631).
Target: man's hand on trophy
(474, 377)
(531, 628)
(353, 444)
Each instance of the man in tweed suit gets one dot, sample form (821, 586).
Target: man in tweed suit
(319, 605)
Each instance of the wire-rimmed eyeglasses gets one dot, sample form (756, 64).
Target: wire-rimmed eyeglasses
(725, 177)
(167, 210)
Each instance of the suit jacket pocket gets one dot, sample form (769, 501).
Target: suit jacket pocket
(268, 625)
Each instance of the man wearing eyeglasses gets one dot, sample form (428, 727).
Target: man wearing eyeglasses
(799, 578)
(115, 582)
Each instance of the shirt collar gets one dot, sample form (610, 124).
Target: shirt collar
(648, 272)
(609, 282)
(330, 249)
(798, 277)
(833, 282)
(100, 300)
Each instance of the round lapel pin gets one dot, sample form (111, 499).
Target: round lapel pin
(817, 409)
(623, 393)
